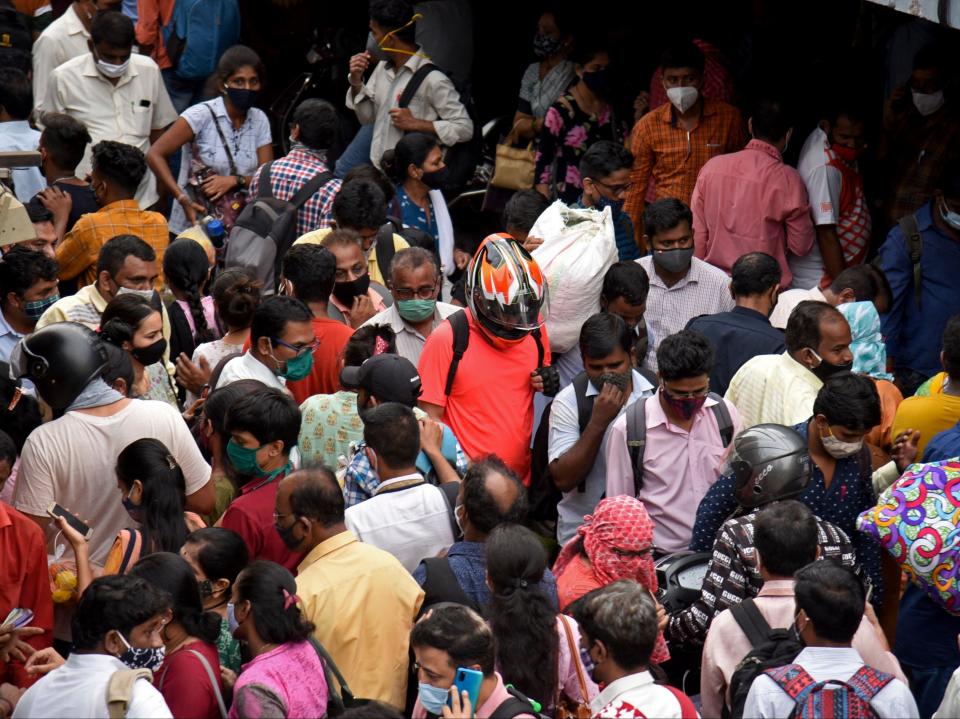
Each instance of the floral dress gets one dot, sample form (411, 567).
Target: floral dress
(566, 134)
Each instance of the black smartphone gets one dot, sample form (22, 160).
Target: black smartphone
(55, 510)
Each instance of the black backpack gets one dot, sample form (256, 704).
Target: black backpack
(461, 159)
(770, 648)
(15, 36)
(266, 228)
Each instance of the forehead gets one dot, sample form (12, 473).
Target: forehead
(347, 253)
(135, 266)
(834, 330)
(424, 274)
(680, 231)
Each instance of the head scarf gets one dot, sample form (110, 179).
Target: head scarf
(869, 352)
(618, 523)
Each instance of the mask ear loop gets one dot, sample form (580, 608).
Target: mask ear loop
(416, 16)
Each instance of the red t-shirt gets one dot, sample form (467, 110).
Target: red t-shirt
(184, 684)
(490, 408)
(325, 377)
(251, 516)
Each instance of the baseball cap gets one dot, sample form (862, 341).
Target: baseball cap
(388, 377)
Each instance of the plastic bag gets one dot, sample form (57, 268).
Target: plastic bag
(578, 248)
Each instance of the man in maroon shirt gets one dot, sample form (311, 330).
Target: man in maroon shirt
(263, 428)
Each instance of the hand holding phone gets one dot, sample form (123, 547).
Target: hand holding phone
(55, 510)
(467, 680)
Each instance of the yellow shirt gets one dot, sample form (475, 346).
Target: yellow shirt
(363, 603)
(376, 273)
(773, 388)
(930, 415)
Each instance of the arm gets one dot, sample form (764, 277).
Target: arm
(525, 125)
(701, 232)
(35, 594)
(75, 253)
(712, 685)
(204, 499)
(619, 464)
(169, 142)
(81, 551)
(689, 626)
(43, 66)
(830, 249)
(360, 94)
(640, 177)
(431, 443)
(896, 265)
(454, 124)
(568, 467)
(798, 225)
(434, 411)
(148, 27)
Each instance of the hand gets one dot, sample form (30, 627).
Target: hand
(607, 406)
(57, 201)
(460, 706)
(536, 381)
(190, 208)
(77, 540)
(431, 437)
(641, 105)
(43, 662)
(10, 695)
(461, 259)
(216, 186)
(403, 119)
(193, 376)
(663, 618)
(12, 645)
(358, 65)
(532, 243)
(904, 450)
(361, 311)
(191, 412)
(229, 678)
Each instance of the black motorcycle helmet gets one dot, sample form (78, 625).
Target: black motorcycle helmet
(768, 462)
(61, 360)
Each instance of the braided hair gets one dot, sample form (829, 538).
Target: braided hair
(185, 269)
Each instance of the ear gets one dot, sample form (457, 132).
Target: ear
(847, 295)
(220, 585)
(136, 489)
(113, 644)
(120, 385)
(275, 448)
(263, 346)
(12, 298)
(750, 126)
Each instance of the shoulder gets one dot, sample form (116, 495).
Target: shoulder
(707, 272)
(313, 238)
(441, 337)
(653, 118)
(73, 66)
(143, 62)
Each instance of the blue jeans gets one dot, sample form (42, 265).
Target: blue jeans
(357, 152)
(929, 684)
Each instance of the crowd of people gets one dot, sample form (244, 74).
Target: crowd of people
(277, 441)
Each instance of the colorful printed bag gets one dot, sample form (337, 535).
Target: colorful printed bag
(916, 521)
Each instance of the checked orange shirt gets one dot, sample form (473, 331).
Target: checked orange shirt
(663, 150)
(77, 254)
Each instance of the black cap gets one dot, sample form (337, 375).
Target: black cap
(388, 377)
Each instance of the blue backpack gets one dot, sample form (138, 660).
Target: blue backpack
(198, 33)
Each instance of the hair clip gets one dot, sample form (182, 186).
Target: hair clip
(289, 599)
(380, 346)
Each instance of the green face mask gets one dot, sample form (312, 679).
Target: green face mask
(416, 310)
(244, 459)
(299, 367)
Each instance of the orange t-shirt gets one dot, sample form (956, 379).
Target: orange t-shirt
(576, 580)
(490, 408)
(325, 376)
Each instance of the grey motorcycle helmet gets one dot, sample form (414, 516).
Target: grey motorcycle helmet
(768, 462)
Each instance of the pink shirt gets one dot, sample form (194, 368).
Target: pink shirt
(726, 645)
(750, 201)
(287, 681)
(497, 697)
(678, 468)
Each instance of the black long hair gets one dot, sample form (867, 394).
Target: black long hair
(164, 493)
(185, 268)
(271, 591)
(521, 615)
(171, 573)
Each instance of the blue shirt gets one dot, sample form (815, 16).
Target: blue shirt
(622, 232)
(468, 560)
(849, 494)
(412, 215)
(736, 336)
(913, 335)
(943, 445)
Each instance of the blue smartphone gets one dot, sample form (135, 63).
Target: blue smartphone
(469, 681)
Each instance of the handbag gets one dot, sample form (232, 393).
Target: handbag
(514, 167)
(566, 707)
(227, 207)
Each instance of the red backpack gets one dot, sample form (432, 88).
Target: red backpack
(850, 699)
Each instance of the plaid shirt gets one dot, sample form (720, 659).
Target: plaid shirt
(360, 481)
(662, 149)
(733, 575)
(77, 254)
(289, 174)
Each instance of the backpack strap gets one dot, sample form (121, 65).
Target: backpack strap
(651, 377)
(120, 690)
(537, 335)
(223, 140)
(330, 668)
(461, 340)
(450, 490)
(415, 82)
(385, 249)
(584, 410)
(751, 621)
(441, 584)
(794, 681)
(384, 293)
(265, 187)
(911, 230)
(309, 189)
(214, 681)
(724, 421)
(867, 682)
(131, 541)
(637, 440)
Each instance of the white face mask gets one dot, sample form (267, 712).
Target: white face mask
(112, 71)
(927, 103)
(683, 98)
(839, 449)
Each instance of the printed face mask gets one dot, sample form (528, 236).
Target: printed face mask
(35, 308)
(141, 657)
(546, 45)
(686, 407)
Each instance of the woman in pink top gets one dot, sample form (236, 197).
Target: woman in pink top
(285, 677)
(537, 648)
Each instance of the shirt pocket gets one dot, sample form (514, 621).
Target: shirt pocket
(140, 120)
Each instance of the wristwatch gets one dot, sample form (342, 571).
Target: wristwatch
(241, 182)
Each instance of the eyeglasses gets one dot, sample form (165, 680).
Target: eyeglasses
(631, 553)
(687, 395)
(615, 189)
(299, 349)
(424, 292)
(277, 516)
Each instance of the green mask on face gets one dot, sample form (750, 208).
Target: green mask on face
(416, 310)
(244, 459)
(299, 367)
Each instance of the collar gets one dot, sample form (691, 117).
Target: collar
(413, 64)
(6, 329)
(815, 655)
(657, 416)
(121, 205)
(640, 385)
(72, 23)
(264, 480)
(5, 520)
(475, 550)
(414, 479)
(631, 682)
(90, 70)
(750, 313)
(797, 367)
(766, 148)
(17, 126)
(326, 547)
(925, 221)
(94, 297)
(304, 155)
(777, 588)
(672, 117)
(94, 662)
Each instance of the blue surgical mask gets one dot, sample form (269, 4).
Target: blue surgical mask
(949, 216)
(433, 699)
(232, 622)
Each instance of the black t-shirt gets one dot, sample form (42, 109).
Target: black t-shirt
(83, 201)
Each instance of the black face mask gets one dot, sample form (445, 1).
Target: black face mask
(241, 98)
(598, 82)
(346, 291)
(617, 379)
(286, 536)
(437, 179)
(151, 354)
(825, 370)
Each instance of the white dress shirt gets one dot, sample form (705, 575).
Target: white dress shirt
(411, 523)
(767, 700)
(79, 689)
(64, 39)
(249, 367)
(410, 342)
(435, 100)
(126, 112)
(636, 691)
(18, 136)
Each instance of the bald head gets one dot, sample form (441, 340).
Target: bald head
(491, 494)
(312, 493)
